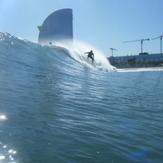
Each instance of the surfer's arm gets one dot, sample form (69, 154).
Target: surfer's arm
(86, 52)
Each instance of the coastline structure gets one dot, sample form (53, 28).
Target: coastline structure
(137, 61)
(144, 59)
(57, 26)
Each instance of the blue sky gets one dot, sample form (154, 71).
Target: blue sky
(101, 23)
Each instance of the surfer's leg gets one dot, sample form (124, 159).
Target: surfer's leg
(92, 59)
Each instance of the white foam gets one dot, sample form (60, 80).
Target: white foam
(150, 69)
(77, 51)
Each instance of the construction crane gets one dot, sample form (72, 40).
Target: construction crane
(141, 42)
(112, 50)
(159, 37)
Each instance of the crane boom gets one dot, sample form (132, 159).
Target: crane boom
(141, 42)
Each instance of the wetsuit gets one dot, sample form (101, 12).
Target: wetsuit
(91, 55)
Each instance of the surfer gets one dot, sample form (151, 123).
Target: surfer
(90, 55)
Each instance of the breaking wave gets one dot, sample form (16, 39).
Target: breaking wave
(26, 52)
(77, 52)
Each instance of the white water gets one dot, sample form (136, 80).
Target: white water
(77, 53)
(147, 69)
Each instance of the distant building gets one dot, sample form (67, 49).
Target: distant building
(57, 27)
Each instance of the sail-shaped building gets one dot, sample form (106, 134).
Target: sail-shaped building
(57, 26)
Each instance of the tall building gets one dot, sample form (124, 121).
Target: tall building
(57, 26)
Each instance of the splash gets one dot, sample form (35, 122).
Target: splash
(77, 50)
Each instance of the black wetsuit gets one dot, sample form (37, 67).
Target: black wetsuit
(90, 55)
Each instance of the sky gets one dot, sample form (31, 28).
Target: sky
(104, 24)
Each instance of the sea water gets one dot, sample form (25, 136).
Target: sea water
(56, 110)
